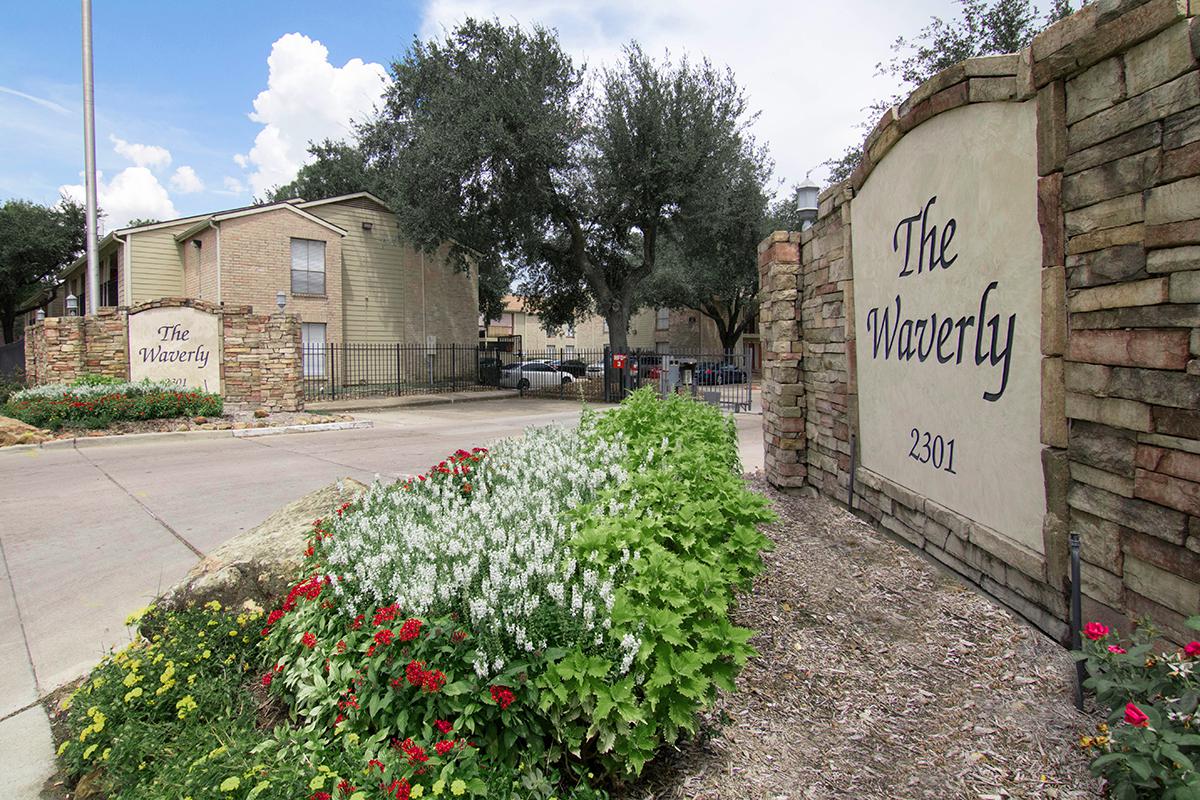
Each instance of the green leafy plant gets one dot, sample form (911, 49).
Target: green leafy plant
(1150, 745)
(97, 402)
(91, 379)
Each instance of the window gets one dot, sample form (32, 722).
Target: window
(606, 326)
(662, 320)
(551, 350)
(108, 289)
(312, 337)
(568, 351)
(662, 348)
(571, 331)
(308, 266)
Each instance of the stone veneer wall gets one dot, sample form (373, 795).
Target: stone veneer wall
(1117, 90)
(261, 360)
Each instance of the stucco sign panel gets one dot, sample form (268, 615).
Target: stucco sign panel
(947, 302)
(181, 345)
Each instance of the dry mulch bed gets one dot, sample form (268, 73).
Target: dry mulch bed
(879, 676)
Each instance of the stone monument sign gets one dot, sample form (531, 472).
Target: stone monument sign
(947, 304)
(177, 344)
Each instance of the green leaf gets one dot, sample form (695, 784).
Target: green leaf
(258, 789)
(229, 784)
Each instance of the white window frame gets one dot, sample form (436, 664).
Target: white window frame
(308, 261)
(662, 319)
(314, 356)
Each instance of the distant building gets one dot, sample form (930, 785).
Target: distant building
(339, 261)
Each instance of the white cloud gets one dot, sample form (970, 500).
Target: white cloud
(186, 181)
(134, 193)
(143, 155)
(809, 68)
(233, 185)
(41, 101)
(306, 99)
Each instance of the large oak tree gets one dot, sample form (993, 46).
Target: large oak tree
(492, 139)
(36, 243)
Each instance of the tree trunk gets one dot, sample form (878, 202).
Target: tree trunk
(618, 328)
(8, 317)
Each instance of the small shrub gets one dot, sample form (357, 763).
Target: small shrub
(89, 379)
(1150, 744)
(98, 405)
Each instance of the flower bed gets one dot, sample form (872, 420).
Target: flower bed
(88, 403)
(532, 621)
(1150, 745)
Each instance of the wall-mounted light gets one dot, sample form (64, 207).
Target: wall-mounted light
(280, 300)
(40, 315)
(367, 226)
(72, 305)
(196, 243)
(806, 202)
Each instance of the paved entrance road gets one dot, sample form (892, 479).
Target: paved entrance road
(89, 535)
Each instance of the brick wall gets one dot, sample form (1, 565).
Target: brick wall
(256, 262)
(260, 360)
(1118, 144)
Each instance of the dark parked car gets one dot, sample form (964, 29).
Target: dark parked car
(709, 373)
(573, 366)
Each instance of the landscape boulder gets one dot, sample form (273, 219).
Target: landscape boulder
(13, 431)
(261, 564)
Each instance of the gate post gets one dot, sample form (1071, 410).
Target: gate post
(604, 372)
(398, 370)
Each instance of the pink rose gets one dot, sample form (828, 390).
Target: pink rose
(1095, 630)
(1116, 648)
(1192, 649)
(1136, 717)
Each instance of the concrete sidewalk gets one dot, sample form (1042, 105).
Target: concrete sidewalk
(94, 534)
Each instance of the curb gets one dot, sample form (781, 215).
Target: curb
(85, 442)
(411, 401)
(320, 426)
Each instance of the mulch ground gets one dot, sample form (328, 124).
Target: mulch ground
(879, 676)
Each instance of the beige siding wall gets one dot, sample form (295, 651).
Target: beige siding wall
(256, 262)
(393, 293)
(157, 264)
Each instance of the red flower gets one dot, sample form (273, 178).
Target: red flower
(341, 646)
(1136, 717)
(309, 639)
(502, 696)
(410, 630)
(443, 726)
(376, 763)
(320, 796)
(1116, 648)
(346, 787)
(1095, 631)
(415, 673)
(371, 650)
(385, 614)
(444, 746)
(267, 678)
(458, 636)
(435, 679)
(275, 616)
(399, 789)
(384, 636)
(357, 623)
(416, 754)
(1192, 649)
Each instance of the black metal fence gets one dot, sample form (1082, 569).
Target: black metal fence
(12, 360)
(358, 370)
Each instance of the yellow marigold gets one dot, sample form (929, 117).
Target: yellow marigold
(206, 654)
(1086, 741)
(91, 748)
(185, 706)
(213, 605)
(191, 680)
(133, 693)
(63, 747)
(131, 679)
(104, 755)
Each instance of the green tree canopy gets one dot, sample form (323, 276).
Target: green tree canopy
(36, 243)
(493, 140)
(337, 168)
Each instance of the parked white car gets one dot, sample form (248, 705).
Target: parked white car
(595, 369)
(533, 375)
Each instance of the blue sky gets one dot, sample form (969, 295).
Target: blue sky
(200, 106)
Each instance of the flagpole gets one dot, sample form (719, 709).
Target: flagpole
(89, 156)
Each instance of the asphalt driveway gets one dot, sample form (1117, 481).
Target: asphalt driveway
(91, 534)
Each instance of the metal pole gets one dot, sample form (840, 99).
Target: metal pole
(89, 158)
(853, 469)
(1076, 618)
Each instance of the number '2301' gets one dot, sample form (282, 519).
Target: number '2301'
(932, 449)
